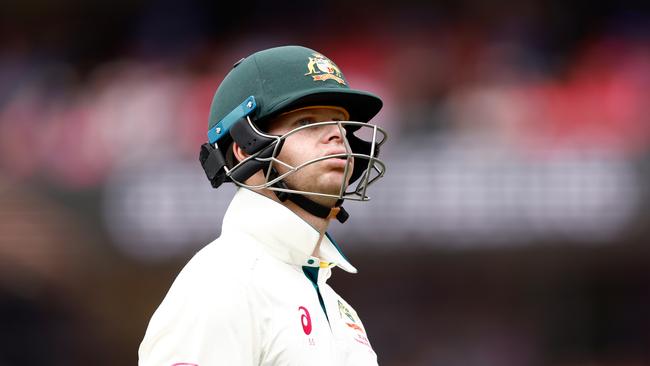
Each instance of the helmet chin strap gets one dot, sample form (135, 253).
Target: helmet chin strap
(310, 206)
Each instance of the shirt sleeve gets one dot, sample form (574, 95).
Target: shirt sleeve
(202, 322)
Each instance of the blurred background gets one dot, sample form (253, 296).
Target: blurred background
(511, 228)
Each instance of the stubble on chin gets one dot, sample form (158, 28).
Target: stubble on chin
(318, 182)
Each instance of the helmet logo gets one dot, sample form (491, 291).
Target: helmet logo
(321, 68)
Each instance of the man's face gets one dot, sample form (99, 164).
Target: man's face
(325, 176)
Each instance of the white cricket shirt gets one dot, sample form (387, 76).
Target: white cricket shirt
(256, 296)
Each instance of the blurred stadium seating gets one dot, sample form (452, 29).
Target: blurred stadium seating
(511, 228)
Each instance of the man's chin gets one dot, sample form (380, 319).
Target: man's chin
(331, 184)
(328, 183)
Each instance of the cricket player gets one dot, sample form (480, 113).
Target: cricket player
(286, 128)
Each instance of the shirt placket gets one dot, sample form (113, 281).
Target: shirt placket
(317, 275)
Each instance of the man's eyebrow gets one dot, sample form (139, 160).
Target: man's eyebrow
(311, 115)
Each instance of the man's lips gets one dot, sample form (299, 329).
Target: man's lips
(342, 153)
(339, 161)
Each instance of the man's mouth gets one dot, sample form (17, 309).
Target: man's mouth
(343, 154)
(340, 161)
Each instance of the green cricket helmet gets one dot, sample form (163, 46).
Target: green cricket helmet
(274, 81)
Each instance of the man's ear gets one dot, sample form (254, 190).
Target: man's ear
(238, 152)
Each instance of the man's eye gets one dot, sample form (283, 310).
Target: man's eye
(304, 122)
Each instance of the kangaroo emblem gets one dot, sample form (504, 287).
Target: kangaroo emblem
(310, 66)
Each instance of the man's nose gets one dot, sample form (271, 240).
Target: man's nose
(335, 131)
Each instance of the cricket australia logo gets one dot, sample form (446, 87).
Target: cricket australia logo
(343, 310)
(350, 319)
(320, 68)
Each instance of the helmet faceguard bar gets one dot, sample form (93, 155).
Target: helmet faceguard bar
(267, 158)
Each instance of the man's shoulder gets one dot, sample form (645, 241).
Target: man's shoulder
(234, 264)
(213, 285)
(226, 255)
(220, 270)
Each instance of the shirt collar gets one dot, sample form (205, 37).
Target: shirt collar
(282, 233)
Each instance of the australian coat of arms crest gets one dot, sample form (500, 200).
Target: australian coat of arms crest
(320, 68)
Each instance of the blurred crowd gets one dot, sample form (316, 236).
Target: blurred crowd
(518, 133)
